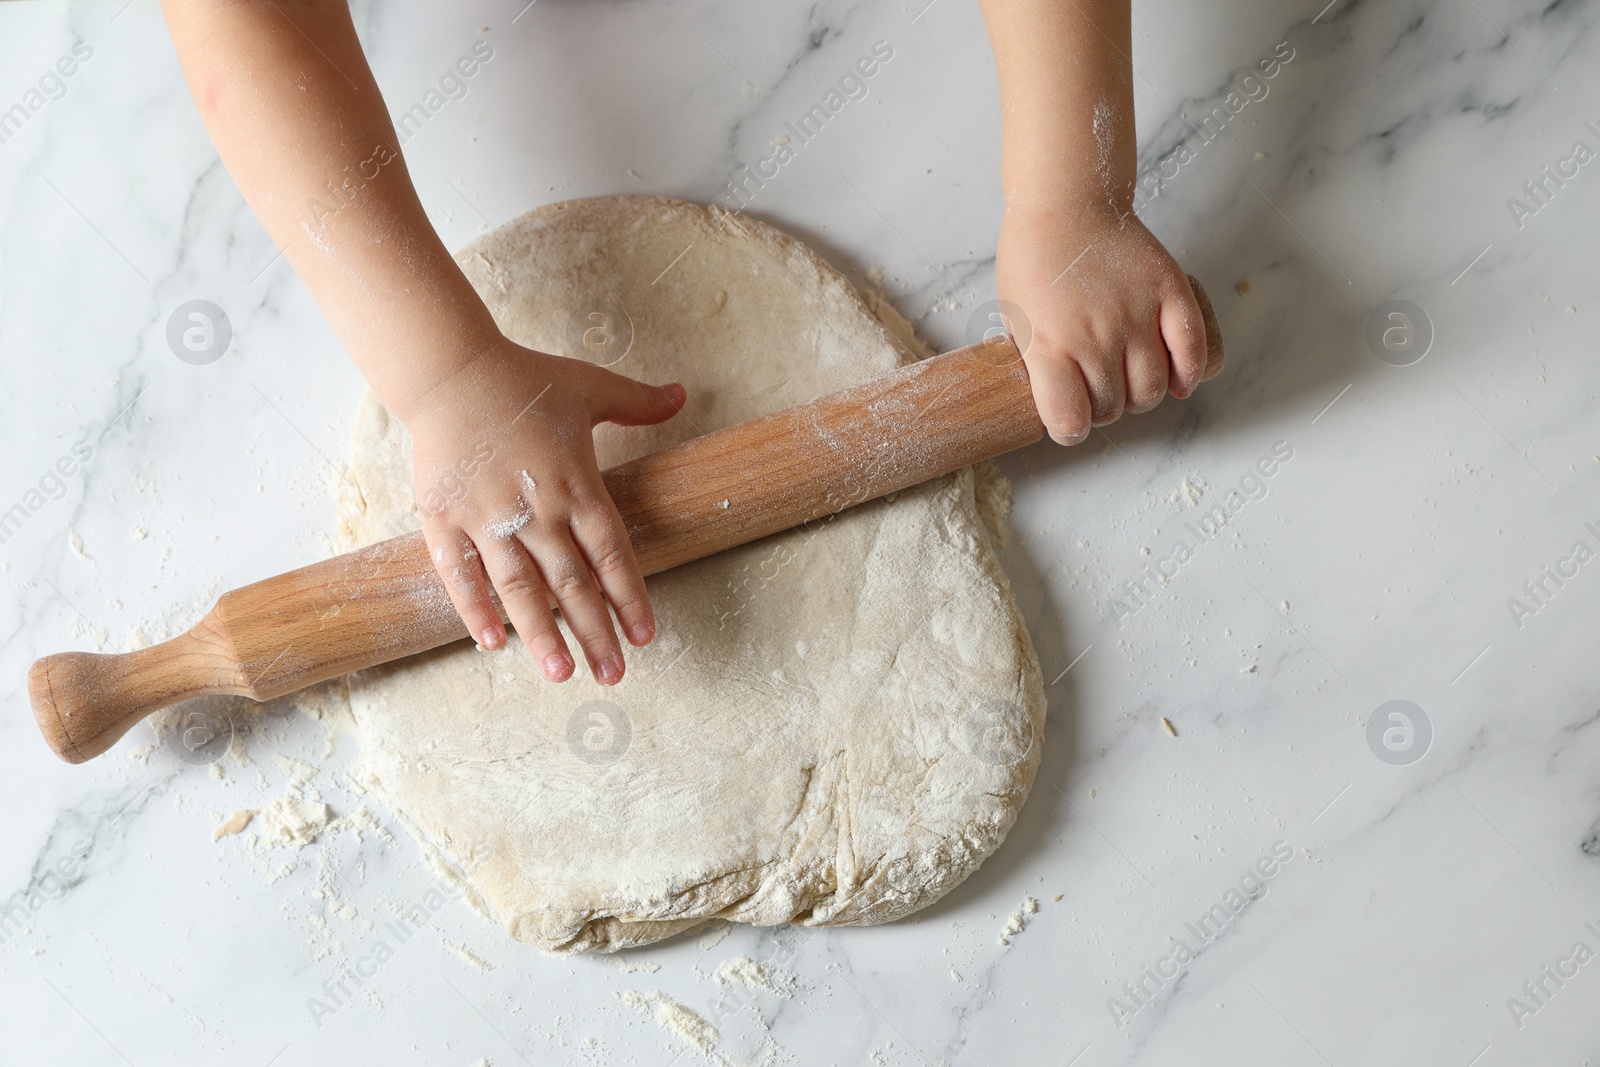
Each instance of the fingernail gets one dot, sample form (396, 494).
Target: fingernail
(556, 665)
(1069, 438)
(675, 393)
(639, 633)
(609, 672)
(492, 637)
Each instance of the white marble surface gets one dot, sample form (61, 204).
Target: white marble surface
(1378, 166)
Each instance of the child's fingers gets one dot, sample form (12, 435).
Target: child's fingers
(1184, 332)
(568, 576)
(1062, 396)
(457, 562)
(1104, 373)
(630, 403)
(601, 536)
(527, 601)
(1148, 369)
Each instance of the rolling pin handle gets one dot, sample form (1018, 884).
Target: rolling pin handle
(84, 702)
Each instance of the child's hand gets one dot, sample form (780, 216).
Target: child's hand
(1114, 324)
(510, 493)
(506, 478)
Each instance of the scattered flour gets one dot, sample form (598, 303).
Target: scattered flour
(675, 1019)
(75, 542)
(300, 773)
(630, 967)
(1190, 492)
(467, 954)
(299, 817)
(746, 971)
(363, 821)
(96, 634)
(1018, 920)
(287, 820)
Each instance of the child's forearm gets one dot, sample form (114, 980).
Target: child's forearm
(293, 109)
(1066, 102)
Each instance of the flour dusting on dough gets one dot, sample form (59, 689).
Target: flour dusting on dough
(729, 776)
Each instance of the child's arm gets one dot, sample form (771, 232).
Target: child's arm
(1114, 322)
(294, 111)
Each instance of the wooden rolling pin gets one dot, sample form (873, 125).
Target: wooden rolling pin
(684, 503)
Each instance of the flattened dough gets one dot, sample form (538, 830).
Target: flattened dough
(835, 726)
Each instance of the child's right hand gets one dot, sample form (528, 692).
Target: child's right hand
(505, 471)
(510, 493)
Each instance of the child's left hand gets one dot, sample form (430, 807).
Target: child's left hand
(1113, 321)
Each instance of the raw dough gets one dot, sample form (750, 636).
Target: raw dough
(835, 726)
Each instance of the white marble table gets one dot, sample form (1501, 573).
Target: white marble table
(1425, 893)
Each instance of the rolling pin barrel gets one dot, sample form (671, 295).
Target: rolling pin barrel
(684, 503)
